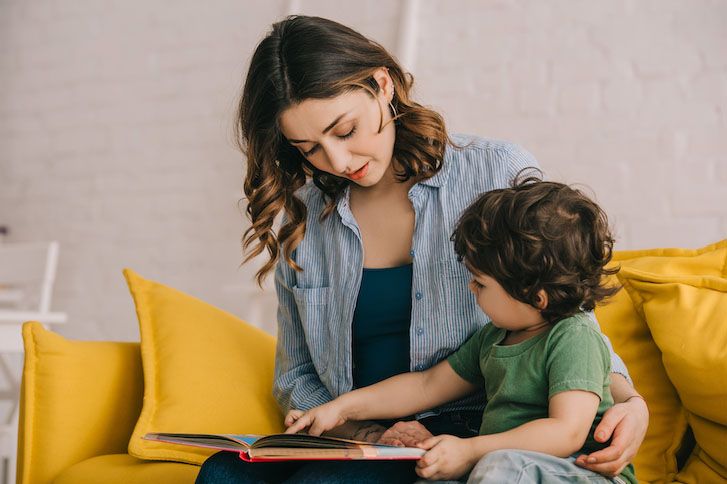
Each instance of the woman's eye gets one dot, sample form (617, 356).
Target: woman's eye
(339, 136)
(310, 151)
(349, 134)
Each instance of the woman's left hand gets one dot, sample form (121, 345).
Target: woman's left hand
(626, 424)
(405, 434)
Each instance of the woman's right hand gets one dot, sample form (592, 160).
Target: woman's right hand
(317, 420)
(405, 434)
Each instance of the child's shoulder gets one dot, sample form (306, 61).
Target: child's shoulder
(580, 327)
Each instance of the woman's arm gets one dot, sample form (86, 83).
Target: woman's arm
(296, 384)
(394, 397)
(625, 424)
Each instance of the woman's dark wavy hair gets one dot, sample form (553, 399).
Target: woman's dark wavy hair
(315, 58)
(539, 235)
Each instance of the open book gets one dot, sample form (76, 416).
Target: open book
(277, 447)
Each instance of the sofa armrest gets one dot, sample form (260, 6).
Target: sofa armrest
(79, 399)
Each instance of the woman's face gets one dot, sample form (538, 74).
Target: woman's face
(341, 135)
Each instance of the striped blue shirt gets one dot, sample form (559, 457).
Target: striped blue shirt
(314, 361)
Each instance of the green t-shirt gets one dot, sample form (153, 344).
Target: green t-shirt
(519, 379)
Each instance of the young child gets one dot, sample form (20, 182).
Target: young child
(537, 253)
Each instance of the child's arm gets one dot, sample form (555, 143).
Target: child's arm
(570, 415)
(394, 397)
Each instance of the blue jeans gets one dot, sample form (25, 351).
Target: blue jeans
(228, 468)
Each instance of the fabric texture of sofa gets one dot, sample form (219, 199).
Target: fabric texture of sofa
(85, 404)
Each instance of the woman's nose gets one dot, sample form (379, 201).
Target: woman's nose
(338, 158)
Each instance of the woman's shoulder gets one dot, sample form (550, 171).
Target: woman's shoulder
(479, 149)
(474, 157)
(311, 196)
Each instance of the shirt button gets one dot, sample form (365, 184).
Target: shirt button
(418, 295)
(420, 330)
(411, 252)
(419, 367)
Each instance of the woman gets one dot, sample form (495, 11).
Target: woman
(367, 280)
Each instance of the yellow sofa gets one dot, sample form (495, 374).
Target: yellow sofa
(81, 400)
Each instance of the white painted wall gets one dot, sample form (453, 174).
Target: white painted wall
(115, 125)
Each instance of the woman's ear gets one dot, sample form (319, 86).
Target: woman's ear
(542, 301)
(386, 85)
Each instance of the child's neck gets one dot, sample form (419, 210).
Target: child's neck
(518, 336)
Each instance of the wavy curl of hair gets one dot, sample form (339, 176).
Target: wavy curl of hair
(539, 235)
(314, 58)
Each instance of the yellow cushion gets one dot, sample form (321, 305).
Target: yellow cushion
(79, 399)
(632, 340)
(124, 469)
(205, 371)
(687, 316)
(699, 469)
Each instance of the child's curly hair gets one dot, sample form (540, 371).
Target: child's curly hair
(539, 235)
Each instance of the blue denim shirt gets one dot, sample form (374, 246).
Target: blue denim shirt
(315, 311)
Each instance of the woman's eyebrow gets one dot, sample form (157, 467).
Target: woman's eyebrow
(328, 128)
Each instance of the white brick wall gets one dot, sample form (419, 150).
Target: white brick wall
(115, 125)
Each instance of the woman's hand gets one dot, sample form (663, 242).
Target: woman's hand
(625, 424)
(448, 457)
(317, 420)
(292, 416)
(405, 434)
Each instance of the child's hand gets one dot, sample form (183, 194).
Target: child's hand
(317, 420)
(448, 457)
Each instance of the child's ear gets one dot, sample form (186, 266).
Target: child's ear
(542, 301)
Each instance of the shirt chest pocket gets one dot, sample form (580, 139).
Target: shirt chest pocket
(313, 306)
(456, 295)
(454, 282)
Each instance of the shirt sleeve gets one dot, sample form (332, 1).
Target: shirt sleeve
(296, 384)
(577, 359)
(617, 364)
(519, 159)
(466, 360)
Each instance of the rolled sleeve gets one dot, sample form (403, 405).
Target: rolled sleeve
(296, 384)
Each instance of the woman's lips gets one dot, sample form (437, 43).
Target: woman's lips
(360, 173)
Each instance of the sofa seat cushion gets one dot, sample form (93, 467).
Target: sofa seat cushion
(125, 469)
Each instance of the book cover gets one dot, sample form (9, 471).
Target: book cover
(280, 447)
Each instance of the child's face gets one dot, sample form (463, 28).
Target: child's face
(505, 311)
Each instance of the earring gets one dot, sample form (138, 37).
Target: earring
(393, 110)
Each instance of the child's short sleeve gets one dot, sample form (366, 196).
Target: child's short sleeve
(466, 360)
(577, 359)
